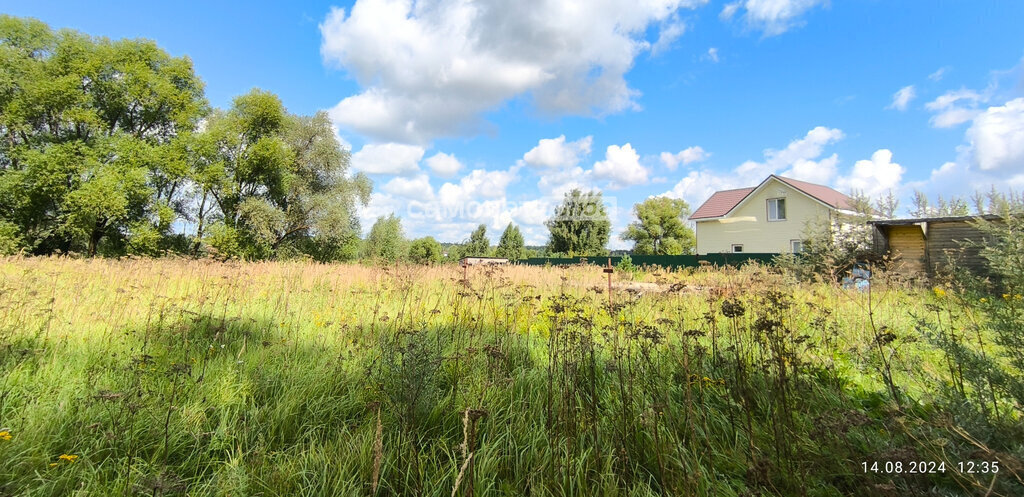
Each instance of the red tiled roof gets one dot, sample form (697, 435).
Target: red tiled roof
(721, 203)
(820, 192)
(724, 201)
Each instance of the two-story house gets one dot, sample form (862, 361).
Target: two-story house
(767, 218)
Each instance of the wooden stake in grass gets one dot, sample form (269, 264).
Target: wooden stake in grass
(608, 269)
(378, 452)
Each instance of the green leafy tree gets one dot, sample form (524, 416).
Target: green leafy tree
(580, 225)
(511, 245)
(659, 228)
(478, 244)
(90, 133)
(425, 250)
(386, 241)
(277, 181)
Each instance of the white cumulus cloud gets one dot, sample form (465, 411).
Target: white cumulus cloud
(478, 184)
(954, 107)
(902, 98)
(698, 186)
(429, 68)
(558, 182)
(621, 167)
(556, 152)
(772, 17)
(684, 157)
(415, 188)
(387, 158)
(997, 137)
(801, 159)
(670, 32)
(873, 176)
(444, 165)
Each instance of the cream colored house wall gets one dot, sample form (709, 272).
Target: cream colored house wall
(749, 226)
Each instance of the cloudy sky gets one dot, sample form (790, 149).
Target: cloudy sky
(470, 112)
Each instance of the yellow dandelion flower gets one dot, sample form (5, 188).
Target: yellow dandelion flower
(983, 300)
(5, 435)
(1017, 296)
(68, 457)
(1006, 296)
(939, 292)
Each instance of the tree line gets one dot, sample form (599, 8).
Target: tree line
(110, 148)
(579, 226)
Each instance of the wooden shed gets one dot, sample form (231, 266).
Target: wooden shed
(923, 246)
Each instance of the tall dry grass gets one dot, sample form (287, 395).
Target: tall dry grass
(175, 377)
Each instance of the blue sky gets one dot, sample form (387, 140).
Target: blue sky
(487, 113)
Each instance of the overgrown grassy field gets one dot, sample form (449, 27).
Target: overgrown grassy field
(181, 377)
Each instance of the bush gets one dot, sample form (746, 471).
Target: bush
(425, 250)
(11, 241)
(223, 242)
(143, 239)
(626, 268)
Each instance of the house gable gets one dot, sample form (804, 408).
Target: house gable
(723, 203)
(799, 187)
(747, 222)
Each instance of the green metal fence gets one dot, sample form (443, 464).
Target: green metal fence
(666, 261)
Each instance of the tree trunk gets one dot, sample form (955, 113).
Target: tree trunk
(199, 228)
(94, 238)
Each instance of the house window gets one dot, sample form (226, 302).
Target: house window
(776, 209)
(797, 246)
(737, 248)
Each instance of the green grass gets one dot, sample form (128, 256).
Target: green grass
(175, 377)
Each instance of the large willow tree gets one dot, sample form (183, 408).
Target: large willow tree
(274, 183)
(90, 157)
(109, 147)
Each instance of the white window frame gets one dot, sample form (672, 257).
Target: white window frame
(793, 246)
(739, 246)
(768, 206)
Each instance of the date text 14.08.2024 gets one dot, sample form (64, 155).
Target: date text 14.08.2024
(910, 467)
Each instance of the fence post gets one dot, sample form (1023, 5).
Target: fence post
(608, 269)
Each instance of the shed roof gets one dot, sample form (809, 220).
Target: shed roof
(946, 219)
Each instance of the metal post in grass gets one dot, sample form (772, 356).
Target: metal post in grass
(608, 269)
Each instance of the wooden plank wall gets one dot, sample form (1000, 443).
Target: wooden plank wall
(948, 243)
(907, 246)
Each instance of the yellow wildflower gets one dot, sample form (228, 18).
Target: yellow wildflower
(939, 292)
(68, 457)
(5, 435)
(983, 300)
(1006, 296)
(1017, 296)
